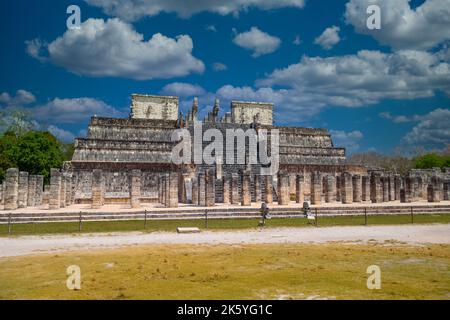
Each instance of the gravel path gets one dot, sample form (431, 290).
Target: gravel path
(413, 234)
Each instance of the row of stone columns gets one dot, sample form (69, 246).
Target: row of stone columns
(21, 190)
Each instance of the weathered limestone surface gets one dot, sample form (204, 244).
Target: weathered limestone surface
(210, 198)
(407, 191)
(376, 188)
(97, 189)
(357, 188)
(54, 201)
(385, 183)
(201, 190)
(298, 189)
(283, 189)
(195, 191)
(46, 195)
(246, 199)
(397, 186)
(3, 191)
(346, 188)
(62, 196)
(316, 188)
(268, 194)
(330, 189)
(226, 189)
(39, 190)
(69, 189)
(173, 190)
(11, 189)
(257, 186)
(365, 188)
(154, 107)
(135, 188)
(391, 188)
(235, 198)
(446, 190)
(246, 112)
(23, 190)
(31, 191)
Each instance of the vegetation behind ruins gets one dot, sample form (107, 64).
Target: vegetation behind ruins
(401, 164)
(24, 146)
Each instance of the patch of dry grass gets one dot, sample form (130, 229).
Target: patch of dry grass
(300, 271)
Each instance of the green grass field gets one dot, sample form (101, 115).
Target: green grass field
(170, 225)
(301, 271)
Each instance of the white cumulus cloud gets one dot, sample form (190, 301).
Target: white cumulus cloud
(364, 78)
(329, 38)
(404, 27)
(432, 132)
(21, 98)
(218, 66)
(73, 110)
(182, 89)
(349, 140)
(132, 10)
(258, 41)
(113, 48)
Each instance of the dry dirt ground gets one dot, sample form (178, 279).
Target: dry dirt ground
(411, 234)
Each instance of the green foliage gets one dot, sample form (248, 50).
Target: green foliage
(34, 151)
(432, 160)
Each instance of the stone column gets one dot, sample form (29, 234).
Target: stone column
(376, 188)
(415, 189)
(210, 193)
(69, 193)
(160, 189)
(257, 186)
(385, 183)
(338, 188)
(446, 195)
(346, 188)
(235, 199)
(23, 189)
(39, 190)
(173, 190)
(11, 189)
(226, 180)
(397, 186)
(135, 188)
(330, 193)
(201, 190)
(268, 195)
(63, 191)
(432, 193)
(298, 189)
(408, 190)
(357, 188)
(283, 189)
(316, 188)
(194, 191)
(365, 188)
(54, 200)
(2, 194)
(391, 188)
(3, 191)
(438, 188)
(31, 191)
(97, 188)
(246, 199)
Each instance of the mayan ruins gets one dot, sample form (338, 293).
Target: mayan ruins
(127, 161)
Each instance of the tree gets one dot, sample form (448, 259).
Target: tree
(34, 151)
(432, 160)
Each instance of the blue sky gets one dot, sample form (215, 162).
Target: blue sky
(374, 90)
